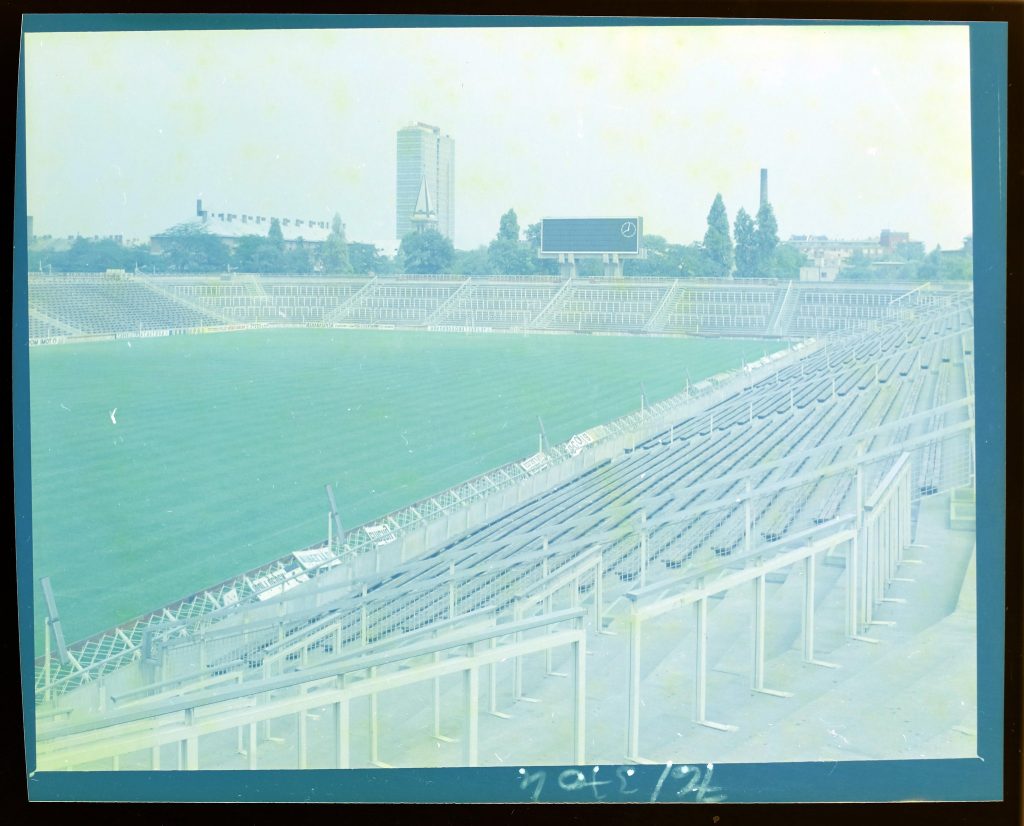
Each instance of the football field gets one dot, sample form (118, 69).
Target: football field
(163, 465)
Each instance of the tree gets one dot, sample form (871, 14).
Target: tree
(541, 266)
(767, 237)
(910, 250)
(508, 255)
(334, 252)
(509, 226)
(426, 252)
(366, 259)
(274, 234)
(256, 253)
(297, 259)
(717, 243)
(189, 249)
(662, 259)
(746, 245)
(86, 255)
(694, 262)
(787, 261)
(472, 262)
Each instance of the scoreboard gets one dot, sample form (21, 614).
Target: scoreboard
(594, 236)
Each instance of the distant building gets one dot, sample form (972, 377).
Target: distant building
(890, 241)
(31, 234)
(764, 187)
(230, 227)
(821, 246)
(424, 155)
(828, 256)
(966, 251)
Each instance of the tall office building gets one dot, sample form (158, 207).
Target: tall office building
(424, 154)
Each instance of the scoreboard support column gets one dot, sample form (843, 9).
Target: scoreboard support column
(612, 265)
(567, 265)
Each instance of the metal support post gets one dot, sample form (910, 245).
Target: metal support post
(192, 753)
(643, 548)
(341, 733)
(517, 661)
(252, 745)
(701, 669)
(437, 706)
(191, 742)
(374, 726)
(579, 716)
(301, 744)
(810, 564)
(747, 518)
(853, 589)
(363, 631)
(878, 536)
(267, 735)
(46, 662)
(548, 653)
(892, 532)
(471, 685)
(867, 592)
(451, 590)
(599, 596)
(760, 623)
(492, 687)
(633, 711)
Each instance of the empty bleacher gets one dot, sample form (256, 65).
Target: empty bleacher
(295, 300)
(721, 311)
(95, 304)
(496, 305)
(401, 304)
(103, 305)
(604, 308)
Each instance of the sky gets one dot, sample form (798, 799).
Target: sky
(860, 127)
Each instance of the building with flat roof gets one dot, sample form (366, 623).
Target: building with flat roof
(425, 156)
(231, 226)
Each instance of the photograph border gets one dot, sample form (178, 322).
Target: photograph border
(854, 781)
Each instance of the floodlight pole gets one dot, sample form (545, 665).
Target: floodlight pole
(53, 620)
(544, 445)
(333, 516)
(46, 662)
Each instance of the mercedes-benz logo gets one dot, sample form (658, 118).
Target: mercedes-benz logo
(628, 229)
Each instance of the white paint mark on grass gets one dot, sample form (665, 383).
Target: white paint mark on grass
(113, 420)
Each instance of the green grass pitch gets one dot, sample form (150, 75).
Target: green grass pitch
(223, 443)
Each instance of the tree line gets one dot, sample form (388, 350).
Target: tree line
(191, 249)
(755, 253)
(749, 249)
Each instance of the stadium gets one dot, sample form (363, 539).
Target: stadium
(765, 552)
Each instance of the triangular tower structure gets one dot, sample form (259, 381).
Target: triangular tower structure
(424, 217)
